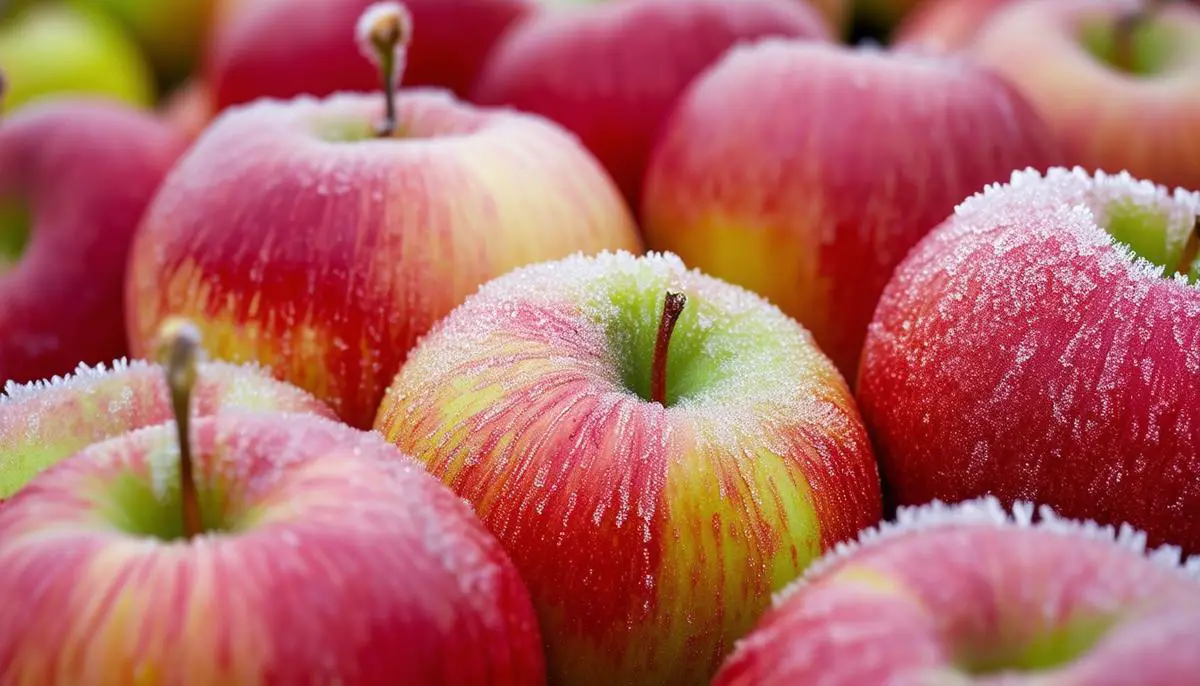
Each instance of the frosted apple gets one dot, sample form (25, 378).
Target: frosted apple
(612, 72)
(253, 548)
(847, 157)
(1117, 80)
(658, 451)
(322, 238)
(75, 177)
(44, 422)
(975, 594)
(1044, 345)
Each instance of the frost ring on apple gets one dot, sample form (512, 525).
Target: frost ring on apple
(42, 422)
(658, 451)
(952, 595)
(1043, 344)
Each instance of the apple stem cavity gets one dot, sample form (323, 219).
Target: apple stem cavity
(1191, 251)
(179, 351)
(1128, 24)
(672, 307)
(383, 33)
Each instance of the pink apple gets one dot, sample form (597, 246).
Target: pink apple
(44, 422)
(75, 178)
(657, 450)
(1135, 110)
(611, 72)
(283, 48)
(1044, 345)
(945, 25)
(847, 157)
(972, 594)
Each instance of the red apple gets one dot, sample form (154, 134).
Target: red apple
(657, 450)
(846, 159)
(612, 72)
(945, 25)
(1122, 92)
(254, 548)
(303, 236)
(283, 48)
(75, 178)
(44, 422)
(1044, 344)
(970, 594)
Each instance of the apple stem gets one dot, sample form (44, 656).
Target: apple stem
(179, 351)
(1127, 24)
(383, 32)
(1191, 250)
(672, 308)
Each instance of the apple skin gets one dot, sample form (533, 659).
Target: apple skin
(1148, 126)
(585, 68)
(47, 421)
(86, 170)
(330, 558)
(650, 538)
(282, 48)
(945, 25)
(326, 260)
(849, 156)
(972, 594)
(189, 109)
(1018, 352)
(51, 51)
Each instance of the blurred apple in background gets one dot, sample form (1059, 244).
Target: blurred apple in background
(611, 72)
(254, 548)
(657, 450)
(877, 19)
(847, 157)
(75, 178)
(51, 50)
(1041, 346)
(283, 48)
(189, 109)
(46, 421)
(945, 25)
(1122, 91)
(972, 594)
(171, 33)
(297, 236)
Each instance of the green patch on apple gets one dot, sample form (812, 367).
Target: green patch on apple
(1152, 235)
(15, 223)
(1044, 650)
(1152, 45)
(150, 505)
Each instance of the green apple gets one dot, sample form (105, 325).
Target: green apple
(172, 33)
(51, 49)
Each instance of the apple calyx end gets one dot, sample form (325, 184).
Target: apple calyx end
(673, 306)
(383, 33)
(179, 351)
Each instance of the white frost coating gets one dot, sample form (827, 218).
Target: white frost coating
(377, 18)
(82, 375)
(987, 511)
(1081, 202)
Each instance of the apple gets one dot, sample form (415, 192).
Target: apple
(48, 50)
(296, 236)
(44, 422)
(657, 450)
(973, 594)
(1118, 81)
(282, 48)
(189, 109)
(1044, 345)
(837, 13)
(945, 25)
(847, 158)
(171, 33)
(254, 548)
(587, 68)
(75, 178)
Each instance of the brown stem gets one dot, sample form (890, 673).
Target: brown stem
(179, 351)
(384, 31)
(672, 308)
(1128, 24)
(1191, 250)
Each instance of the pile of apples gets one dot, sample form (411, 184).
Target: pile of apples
(632, 342)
